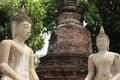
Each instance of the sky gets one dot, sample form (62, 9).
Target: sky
(43, 51)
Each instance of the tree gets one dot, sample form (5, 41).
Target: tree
(109, 12)
(34, 9)
(44, 15)
(92, 18)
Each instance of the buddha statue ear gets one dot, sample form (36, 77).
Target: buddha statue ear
(13, 28)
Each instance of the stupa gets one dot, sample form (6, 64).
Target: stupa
(69, 47)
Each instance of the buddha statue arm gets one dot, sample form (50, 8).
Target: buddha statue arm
(116, 77)
(33, 74)
(91, 71)
(5, 47)
(117, 62)
(117, 66)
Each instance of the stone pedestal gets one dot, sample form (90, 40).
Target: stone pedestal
(65, 66)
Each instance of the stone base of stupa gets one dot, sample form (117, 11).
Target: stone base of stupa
(68, 66)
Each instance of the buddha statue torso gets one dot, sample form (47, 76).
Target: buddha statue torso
(18, 60)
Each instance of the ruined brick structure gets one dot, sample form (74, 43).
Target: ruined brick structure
(69, 47)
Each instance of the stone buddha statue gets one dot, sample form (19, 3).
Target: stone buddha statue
(16, 58)
(104, 65)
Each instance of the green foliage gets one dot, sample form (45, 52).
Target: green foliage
(109, 12)
(50, 20)
(37, 61)
(92, 18)
(94, 21)
(44, 15)
(35, 9)
(6, 10)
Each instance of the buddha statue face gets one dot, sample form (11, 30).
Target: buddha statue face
(23, 30)
(102, 40)
(102, 44)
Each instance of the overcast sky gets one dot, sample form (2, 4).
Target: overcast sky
(44, 49)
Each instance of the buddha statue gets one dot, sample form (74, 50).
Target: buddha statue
(16, 58)
(105, 64)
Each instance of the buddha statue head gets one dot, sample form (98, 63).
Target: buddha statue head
(17, 19)
(102, 40)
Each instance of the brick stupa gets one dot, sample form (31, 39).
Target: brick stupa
(69, 46)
